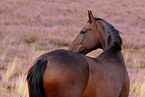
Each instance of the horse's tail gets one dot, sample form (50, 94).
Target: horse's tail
(35, 79)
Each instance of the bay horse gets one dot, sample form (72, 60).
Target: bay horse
(108, 75)
(63, 73)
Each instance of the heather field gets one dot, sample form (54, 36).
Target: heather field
(29, 28)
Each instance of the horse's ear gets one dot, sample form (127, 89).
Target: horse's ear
(91, 17)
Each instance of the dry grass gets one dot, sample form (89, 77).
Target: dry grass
(136, 73)
(29, 28)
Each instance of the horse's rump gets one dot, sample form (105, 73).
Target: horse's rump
(66, 74)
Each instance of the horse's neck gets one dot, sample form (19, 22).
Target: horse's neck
(111, 40)
(103, 35)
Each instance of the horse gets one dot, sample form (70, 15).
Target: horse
(69, 73)
(108, 74)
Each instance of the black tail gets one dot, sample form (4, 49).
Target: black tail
(35, 76)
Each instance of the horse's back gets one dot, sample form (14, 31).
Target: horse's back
(66, 74)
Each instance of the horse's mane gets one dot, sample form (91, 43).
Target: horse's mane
(116, 40)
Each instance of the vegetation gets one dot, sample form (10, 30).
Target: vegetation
(29, 28)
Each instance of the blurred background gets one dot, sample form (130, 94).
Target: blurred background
(29, 28)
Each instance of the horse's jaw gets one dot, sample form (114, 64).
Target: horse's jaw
(79, 49)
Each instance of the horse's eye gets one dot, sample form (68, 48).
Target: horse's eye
(82, 32)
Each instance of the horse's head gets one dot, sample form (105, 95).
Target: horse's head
(97, 33)
(86, 40)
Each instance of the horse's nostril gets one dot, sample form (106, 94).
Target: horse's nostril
(82, 32)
